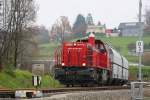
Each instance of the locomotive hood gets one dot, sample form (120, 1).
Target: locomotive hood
(91, 39)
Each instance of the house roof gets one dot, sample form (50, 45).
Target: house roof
(130, 25)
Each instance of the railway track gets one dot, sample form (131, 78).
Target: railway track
(6, 93)
(84, 89)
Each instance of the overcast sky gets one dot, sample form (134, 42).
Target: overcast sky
(110, 12)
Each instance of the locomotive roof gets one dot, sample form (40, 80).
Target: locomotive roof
(98, 40)
(85, 39)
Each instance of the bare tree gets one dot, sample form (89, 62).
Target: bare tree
(28, 47)
(60, 28)
(147, 17)
(20, 15)
(24, 13)
(147, 20)
(4, 34)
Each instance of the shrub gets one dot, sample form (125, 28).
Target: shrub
(9, 69)
(146, 58)
(131, 46)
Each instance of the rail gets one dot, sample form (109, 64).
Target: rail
(84, 89)
(6, 93)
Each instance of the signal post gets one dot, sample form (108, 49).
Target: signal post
(139, 52)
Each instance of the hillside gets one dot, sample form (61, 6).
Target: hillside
(46, 50)
(121, 43)
(15, 80)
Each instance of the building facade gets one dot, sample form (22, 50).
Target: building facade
(97, 29)
(112, 32)
(130, 28)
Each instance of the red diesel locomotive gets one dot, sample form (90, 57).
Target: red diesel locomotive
(90, 61)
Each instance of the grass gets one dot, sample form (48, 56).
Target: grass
(50, 82)
(133, 73)
(145, 69)
(123, 42)
(23, 79)
(47, 50)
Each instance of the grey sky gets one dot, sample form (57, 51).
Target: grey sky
(110, 12)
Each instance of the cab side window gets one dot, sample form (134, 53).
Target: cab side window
(102, 48)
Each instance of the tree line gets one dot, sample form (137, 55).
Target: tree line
(16, 30)
(62, 27)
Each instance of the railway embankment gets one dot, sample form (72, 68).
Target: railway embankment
(23, 79)
(96, 95)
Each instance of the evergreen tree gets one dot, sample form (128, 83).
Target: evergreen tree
(89, 20)
(79, 25)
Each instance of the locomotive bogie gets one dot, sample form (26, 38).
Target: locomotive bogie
(76, 75)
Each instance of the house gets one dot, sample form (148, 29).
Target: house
(97, 29)
(130, 28)
(112, 32)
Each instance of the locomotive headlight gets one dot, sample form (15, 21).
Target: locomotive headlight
(63, 64)
(83, 64)
(75, 44)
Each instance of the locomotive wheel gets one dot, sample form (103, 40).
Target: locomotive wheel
(84, 85)
(67, 85)
(95, 75)
(105, 77)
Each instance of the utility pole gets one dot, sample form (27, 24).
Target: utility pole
(140, 53)
(140, 38)
(138, 94)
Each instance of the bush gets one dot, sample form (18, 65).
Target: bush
(23, 79)
(147, 46)
(9, 69)
(146, 58)
(131, 46)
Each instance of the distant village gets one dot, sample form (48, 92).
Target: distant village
(86, 25)
(124, 29)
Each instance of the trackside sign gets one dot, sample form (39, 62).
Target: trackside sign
(139, 47)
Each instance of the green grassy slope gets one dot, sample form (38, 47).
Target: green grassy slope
(122, 43)
(133, 73)
(23, 79)
(145, 69)
(47, 50)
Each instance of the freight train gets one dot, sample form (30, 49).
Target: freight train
(90, 61)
